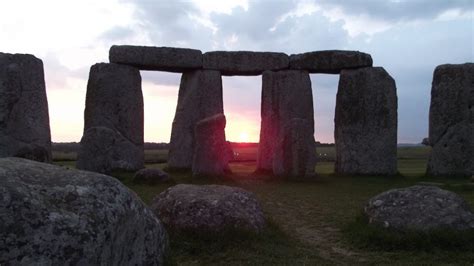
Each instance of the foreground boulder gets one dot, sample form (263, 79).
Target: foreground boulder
(24, 118)
(285, 95)
(366, 123)
(200, 96)
(156, 58)
(208, 209)
(57, 216)
(151, 176)
(330, 62)
(113, 120)
(211, 151)
(244, 62)
(451, 127)
(420, 208)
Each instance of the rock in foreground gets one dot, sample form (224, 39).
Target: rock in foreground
(420, 208)
(208, 209)
(151, 176)
(52, 215)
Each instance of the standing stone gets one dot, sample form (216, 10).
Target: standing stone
(285, 95)
(366, 123)
(295, 152)
(211, 149)
(24, 118)
(113, 120)
(200, 96)
(451, 129)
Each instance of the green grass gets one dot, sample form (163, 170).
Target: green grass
(318, 222)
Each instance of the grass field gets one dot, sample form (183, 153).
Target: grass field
(310, 222)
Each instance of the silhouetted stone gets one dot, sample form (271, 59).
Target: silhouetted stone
(366, 123)
(211, 149)
(210, 209)
(285, 95)
(420, 208)
(156, 58)
(113, 120)
(331, 61)
(295, 151)
(452, 121)
(151, 176)
(53, 215)
(200, 96)
(24, 118)
(244, 62)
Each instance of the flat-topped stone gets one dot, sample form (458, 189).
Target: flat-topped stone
(330, 61)
(156, 58)
(244, 63)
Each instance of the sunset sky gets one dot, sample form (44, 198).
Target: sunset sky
(408, 38)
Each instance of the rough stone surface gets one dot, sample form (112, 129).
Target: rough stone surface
(451, 127)
(330, 62)
(366, 123)
(244, 62)
(285, 95)
(151, 176)
(113, 120)
(24, 118)
(200, 96)
(208, 209)
(211, 149)
(156, 58)
(52, 215)
(420, 208)
(295, 151)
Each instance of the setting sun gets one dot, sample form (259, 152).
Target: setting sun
(244, 137)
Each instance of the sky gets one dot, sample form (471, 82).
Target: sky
(409, 38)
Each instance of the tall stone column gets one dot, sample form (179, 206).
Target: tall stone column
(451, 127)
(24, 117)
(286, 95)
(366, 123)
(113, 120)
(200, 96)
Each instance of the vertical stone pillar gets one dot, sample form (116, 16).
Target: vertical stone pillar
(24, 117)
(113, 120)
(451, 127)
(366, 123)
(286, 95)
(210, 152)
(200, 96)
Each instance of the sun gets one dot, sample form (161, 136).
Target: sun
(244, 137)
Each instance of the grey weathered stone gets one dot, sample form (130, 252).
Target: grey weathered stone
(208, 209)
(52, 215)
(331, 61)
(156, 58)
(211, 149)
(421, 208)
(295, 150)
(244, 62)
(451, 129)
(151, 176)
(113, 120)
(285, 95)
(200, 96)
(24, 118)
(366, 123)
(104, 150)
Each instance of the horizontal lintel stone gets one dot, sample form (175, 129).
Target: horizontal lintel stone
(168, 59)
(244, 63)
(330, 61)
